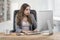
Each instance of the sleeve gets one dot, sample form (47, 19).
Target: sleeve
(16, 26)
(34, 21)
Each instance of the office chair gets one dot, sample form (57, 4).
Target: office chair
(15, 12)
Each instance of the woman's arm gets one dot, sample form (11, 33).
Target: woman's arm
(18, 29)
(34, 21)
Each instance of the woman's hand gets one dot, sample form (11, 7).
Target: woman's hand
(27, 31)
(36, 30)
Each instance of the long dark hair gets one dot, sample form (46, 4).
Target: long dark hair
(21, 14)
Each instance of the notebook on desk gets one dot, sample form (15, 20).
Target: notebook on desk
(32, 33)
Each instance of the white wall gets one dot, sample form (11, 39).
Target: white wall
(57, 8)
(36, 4)
(14, 6)
(50, 4)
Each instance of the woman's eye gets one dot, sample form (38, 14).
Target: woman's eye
(26, 9)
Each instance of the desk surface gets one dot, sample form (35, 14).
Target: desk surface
(13, 36)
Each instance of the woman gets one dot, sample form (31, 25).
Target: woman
(24, 19)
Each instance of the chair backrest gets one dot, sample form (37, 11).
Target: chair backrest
(15, 12)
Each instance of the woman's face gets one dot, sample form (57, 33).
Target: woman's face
(27, 11)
